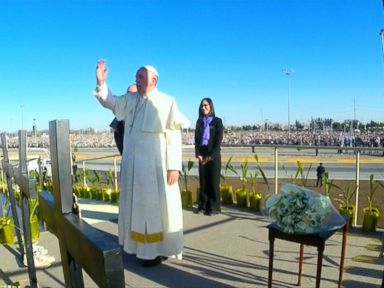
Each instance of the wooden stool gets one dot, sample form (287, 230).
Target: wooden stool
(317, 240)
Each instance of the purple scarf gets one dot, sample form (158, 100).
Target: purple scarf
(205, 138)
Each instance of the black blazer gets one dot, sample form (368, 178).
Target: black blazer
(216, 136)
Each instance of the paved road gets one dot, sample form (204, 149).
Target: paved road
(339, 166)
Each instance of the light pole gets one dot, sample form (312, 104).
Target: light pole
(288, 72)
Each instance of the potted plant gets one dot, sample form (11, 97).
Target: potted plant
(242, 193)
(111, 194)
(226, 190)
(255, 197)
(7, 233)
(371, 214)
(345, 206)
(186, 194)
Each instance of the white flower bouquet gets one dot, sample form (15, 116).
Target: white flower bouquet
(299, 210)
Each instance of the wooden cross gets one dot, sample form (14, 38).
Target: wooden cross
(81, 245)
(28, 190)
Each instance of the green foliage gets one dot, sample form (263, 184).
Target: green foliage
(85, 175)
(226, 194)
(185, 173)
(305, 178)
(328, 184)
(35, 175)
(106, 194)
(228, 167)
(110, 178)
(33, 206)
(253, 181)
(115, 195)
(347, 196)
(241, 197)
(97, 178)
(299, 172)
(258, 167)
(373, 186)
(244, 174)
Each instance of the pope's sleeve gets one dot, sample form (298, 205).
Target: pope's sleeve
(104, 95)
(176, 119)
(109, 101)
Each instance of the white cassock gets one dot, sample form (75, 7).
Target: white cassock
(150, 213)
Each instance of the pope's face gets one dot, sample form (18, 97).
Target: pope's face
(142, 80)
(145, 81)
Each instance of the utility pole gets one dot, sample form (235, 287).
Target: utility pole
(288, 72)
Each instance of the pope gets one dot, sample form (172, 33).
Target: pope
(150, 222)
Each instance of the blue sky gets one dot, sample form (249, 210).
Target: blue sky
(232, 51)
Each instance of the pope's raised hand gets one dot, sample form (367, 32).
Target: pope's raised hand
(101, 72)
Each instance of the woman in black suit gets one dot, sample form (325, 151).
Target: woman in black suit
(208, 137)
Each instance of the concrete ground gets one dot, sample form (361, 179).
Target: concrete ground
(226, 250)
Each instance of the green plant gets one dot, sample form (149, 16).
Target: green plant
(293, 179)
(186, 194)
(85, 175)
(255, 197)
(185, 173)
(328, 184)
(115, 195)
(242, 196)
(299, 172)
(304, 179)
(347, 196)
(258, 167)
(110, 178)
(96, 179)
(371, 213)
(226, 190)
(6, 222)
(2, 180)
(373, 186)
(345, 206)
(244, 174)
(228, 167)
(33, 218)
(106, 194)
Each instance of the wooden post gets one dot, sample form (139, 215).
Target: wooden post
(115, 169)
(81, 245)
(357, 186)
(8, 170)
(276, 170)
(28, 190)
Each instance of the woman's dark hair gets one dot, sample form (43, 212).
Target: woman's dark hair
(210, 102)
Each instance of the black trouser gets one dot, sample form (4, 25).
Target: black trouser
(209, 175)
(319, 180)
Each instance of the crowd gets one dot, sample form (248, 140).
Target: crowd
(306, 138)
(240, 137)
